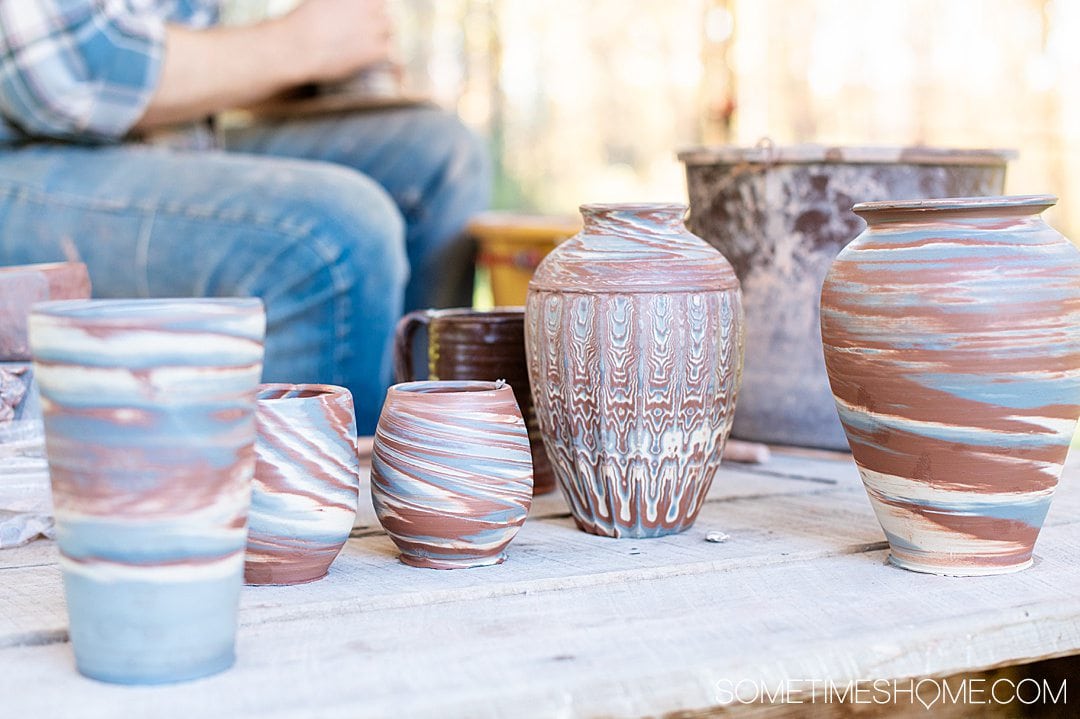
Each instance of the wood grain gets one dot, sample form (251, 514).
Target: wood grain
(578, 625)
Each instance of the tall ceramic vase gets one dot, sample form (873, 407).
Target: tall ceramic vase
(952, 341)
(634, 333)
(149, 431)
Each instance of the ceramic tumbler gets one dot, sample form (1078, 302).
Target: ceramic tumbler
(149, 431)
(303, 500)
(451, 472)
(466, 344)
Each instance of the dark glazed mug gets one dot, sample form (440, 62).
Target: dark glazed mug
(488, 345)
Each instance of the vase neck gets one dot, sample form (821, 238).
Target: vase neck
(621, 219)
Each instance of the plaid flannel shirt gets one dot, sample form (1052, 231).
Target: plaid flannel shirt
(83, 70)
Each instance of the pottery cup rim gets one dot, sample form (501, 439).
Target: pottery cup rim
(40, 267)
(121, 312)
(278, 392)
(508, 313)
(448, 387)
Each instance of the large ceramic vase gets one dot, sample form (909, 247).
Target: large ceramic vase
(780, 215)
(303, 499)
(149, 431)
(451, 472)
(634, 332)
(952, 340)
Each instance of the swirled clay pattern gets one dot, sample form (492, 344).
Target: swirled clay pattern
(952, 340)
(635, 380)
(451, 472)
(149, 427)
(303, 499)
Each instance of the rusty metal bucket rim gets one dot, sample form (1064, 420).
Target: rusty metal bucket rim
(769, 154)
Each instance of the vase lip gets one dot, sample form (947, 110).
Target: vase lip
(435, 387)
(607, 208)
(123, 311)
(285, 391)
(1024, 202)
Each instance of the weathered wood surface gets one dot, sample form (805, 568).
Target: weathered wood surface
(576, 625)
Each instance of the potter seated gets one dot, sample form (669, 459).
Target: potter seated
(339, 223)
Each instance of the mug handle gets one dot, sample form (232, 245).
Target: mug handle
(403, 341)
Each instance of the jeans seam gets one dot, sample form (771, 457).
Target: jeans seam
(22, 192)
(293, 231)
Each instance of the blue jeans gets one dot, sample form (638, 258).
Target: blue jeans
(337, 223)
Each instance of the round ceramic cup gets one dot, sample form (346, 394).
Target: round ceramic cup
(451, 474)
(149, 432)
(303, 500)
(467, 344)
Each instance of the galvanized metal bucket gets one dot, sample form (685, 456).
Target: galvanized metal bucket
(781, 215)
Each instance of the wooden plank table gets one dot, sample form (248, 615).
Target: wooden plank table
(575, 625)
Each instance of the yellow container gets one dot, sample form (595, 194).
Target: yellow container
(511, 246)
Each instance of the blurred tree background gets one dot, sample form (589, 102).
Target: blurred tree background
(588, 100)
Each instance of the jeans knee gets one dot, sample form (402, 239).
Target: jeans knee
(352, 227)
(468, 162)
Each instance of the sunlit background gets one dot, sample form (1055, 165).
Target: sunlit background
(587, 100)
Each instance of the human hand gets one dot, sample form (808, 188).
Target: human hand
(338, 38)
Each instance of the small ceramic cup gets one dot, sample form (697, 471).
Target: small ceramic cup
(451, 472)
(467, 344)
(21, 286)
(149, 410)
(303, 500)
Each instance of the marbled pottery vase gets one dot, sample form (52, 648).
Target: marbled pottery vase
(451, 472)
(149, 431)
(952, 341)
(303, 500)
(634, 330)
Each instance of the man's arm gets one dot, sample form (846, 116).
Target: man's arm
(206, 71)
(88, 70)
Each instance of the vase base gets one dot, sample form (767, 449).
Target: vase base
(467, 563)
(957, 570)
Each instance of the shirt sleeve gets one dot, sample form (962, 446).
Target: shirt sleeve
(78, 69)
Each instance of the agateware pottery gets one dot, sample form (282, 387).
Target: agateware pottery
(780, 215)
(634, 333)
(21, 286)
(466, 344)
(451, 472)
(149, 429)
(306, 485)
(952, 340)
